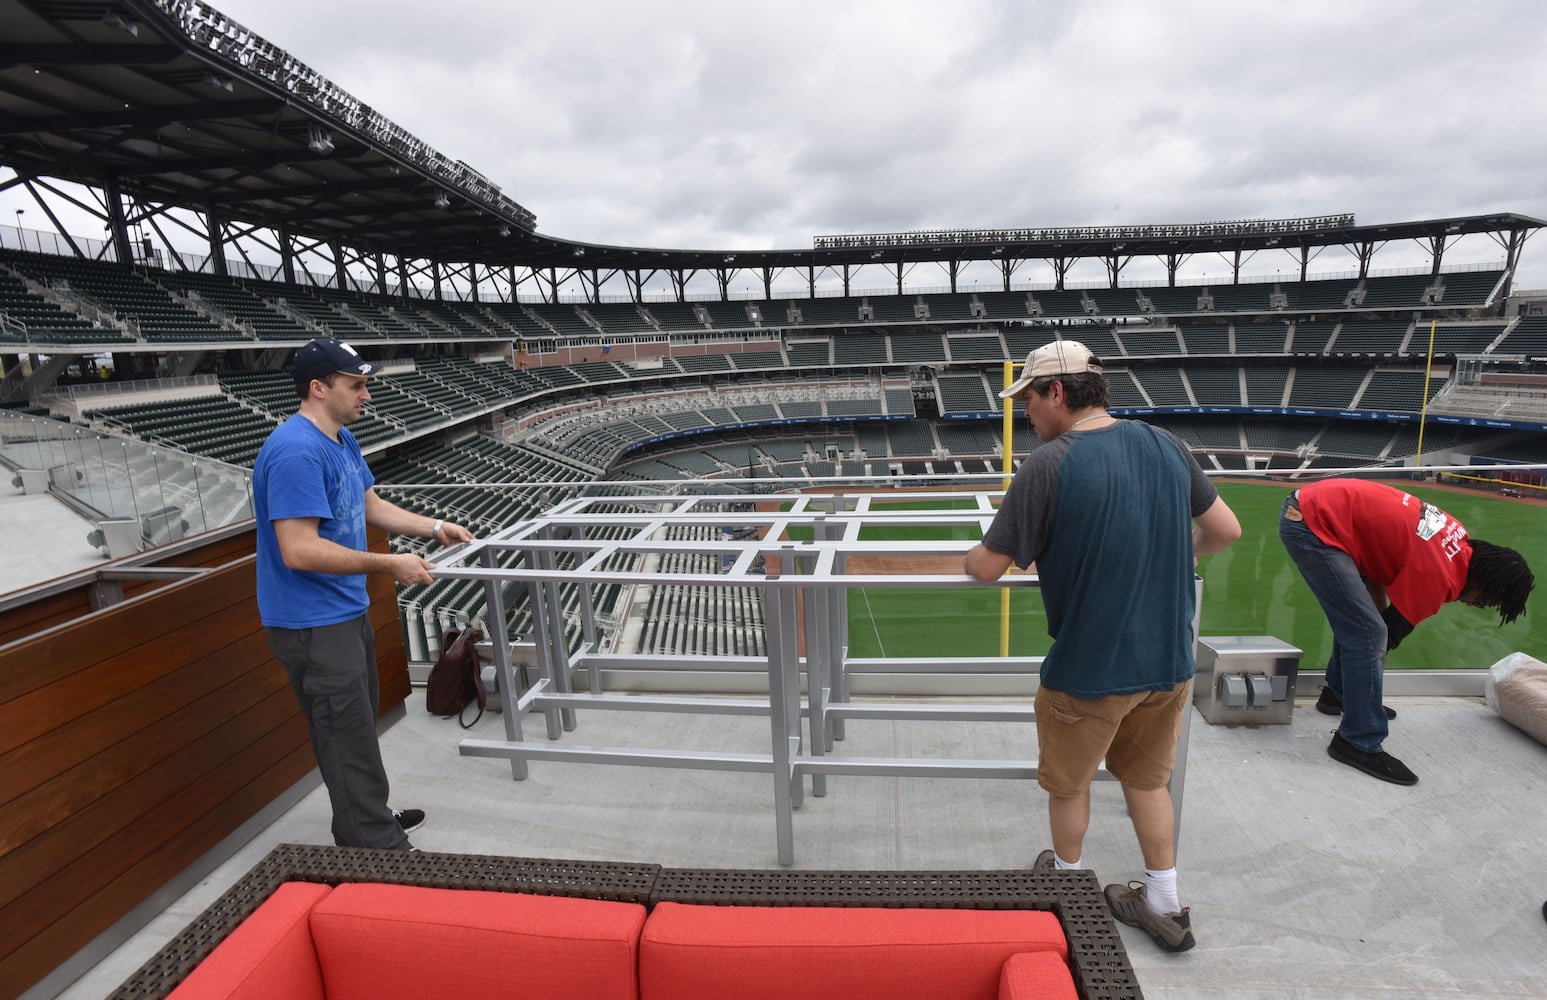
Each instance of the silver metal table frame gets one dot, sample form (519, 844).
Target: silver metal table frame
(804, 586)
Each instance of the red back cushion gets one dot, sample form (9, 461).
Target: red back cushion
(379, 942)
(1038, 975)
(767, 952)
(269, 954)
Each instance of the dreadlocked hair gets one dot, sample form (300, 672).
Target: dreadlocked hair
(1503, 579)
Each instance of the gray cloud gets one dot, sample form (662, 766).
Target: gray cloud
(695, 123)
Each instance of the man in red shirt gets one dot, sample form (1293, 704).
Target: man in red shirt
(1379, 562)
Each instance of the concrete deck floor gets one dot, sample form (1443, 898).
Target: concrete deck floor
(46, 539)
(1305, 878)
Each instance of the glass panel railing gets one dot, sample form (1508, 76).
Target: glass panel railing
(160, 493)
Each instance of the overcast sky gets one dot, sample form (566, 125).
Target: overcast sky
(733, 125)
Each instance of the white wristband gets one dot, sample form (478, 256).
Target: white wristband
(435, 530)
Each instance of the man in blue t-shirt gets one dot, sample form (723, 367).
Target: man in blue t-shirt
(1112, 512)
(313, 497)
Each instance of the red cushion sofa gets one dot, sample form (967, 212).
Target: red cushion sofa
(312, 942)
(315, 923)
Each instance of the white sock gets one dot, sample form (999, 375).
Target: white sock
(1059, 864)
(1160, 891)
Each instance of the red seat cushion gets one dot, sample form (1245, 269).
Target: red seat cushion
(269, 954)
(768, 952)
(1038, 975)
(378, 942)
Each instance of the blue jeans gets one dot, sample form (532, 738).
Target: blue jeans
(1354, 672)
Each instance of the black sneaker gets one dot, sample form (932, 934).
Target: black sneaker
(1378, 764)
(1331, 704)
(409, 819)
(1172, 931)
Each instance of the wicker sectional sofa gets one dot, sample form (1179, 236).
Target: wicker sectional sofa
(315, 922)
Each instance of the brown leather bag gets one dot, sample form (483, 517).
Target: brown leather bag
(456, 679)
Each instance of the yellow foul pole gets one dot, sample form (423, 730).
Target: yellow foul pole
(1008, 462)
(1423, 410)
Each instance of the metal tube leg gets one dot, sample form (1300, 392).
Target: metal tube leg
(509, 693)
(836, 645)
(561, 664)
(1178, 780)
(780, 641)
(542, 647)
(818, 682)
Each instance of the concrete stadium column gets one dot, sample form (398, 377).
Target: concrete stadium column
(214, 226)
(1364, 252)
(286, 254)
(1115, 265)
(117, 224)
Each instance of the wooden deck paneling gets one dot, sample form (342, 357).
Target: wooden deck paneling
(135, 738)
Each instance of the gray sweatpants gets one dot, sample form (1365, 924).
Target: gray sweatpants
(332, 670)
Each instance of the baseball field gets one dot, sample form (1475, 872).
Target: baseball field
(1251, 589)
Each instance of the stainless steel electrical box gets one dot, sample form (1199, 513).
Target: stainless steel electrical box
(1245, 680)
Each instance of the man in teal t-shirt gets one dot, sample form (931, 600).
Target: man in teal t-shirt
(313, 497)
(1112, 513)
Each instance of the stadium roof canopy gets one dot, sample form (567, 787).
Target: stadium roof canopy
(171, 104)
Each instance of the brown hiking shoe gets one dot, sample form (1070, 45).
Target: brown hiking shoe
(1173, 931)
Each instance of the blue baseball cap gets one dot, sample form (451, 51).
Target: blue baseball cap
(324, 356)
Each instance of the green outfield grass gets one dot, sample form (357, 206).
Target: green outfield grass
(1251, 589)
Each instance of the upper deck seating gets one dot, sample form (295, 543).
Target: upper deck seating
(975, 347)
(916, 346)
(1205, 338)
(1357, 336)
(1267, 337)
(1149, 342)
(1396, 292)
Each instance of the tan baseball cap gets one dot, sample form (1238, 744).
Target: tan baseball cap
(1061, 357)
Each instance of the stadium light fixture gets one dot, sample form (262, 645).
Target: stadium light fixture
(441, 201)
(219, 81)
(318, 140)
(504, 230)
